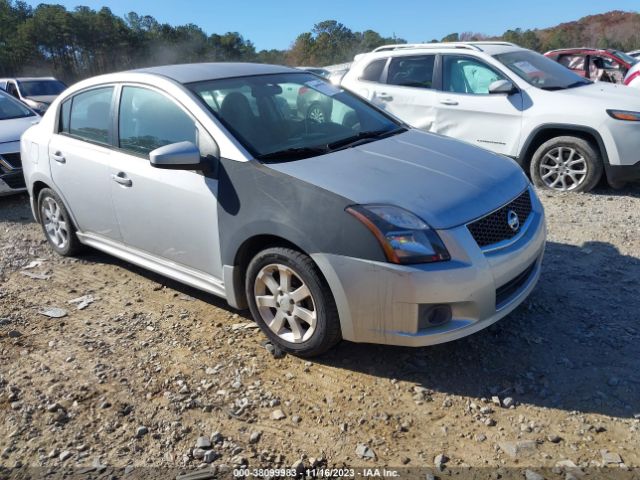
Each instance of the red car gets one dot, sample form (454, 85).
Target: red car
(604, 65)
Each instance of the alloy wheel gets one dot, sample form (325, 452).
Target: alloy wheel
(285, 303)
(563, 168)
(55, 224)
(315, 114)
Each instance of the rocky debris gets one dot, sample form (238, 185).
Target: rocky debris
(209, 456)
(531, 475)
(610, 457)
(518, 449)
(141, 432)
(278, 415)
(150, 352)
(274, 350)
(65, 455)
(440, 460)
(365, 452)
(83, 302)
(203, 442)
(54, 312)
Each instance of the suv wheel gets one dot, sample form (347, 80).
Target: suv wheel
(316, 113)
(291, 303)
(56, 223)
(566, 164)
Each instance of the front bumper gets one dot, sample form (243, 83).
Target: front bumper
(380, 302)
(622, 173)
(11, 175)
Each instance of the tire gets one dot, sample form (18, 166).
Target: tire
(566, 164)
(56, 224)
(274, 276)
(316, 114)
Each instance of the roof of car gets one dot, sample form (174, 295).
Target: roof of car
(581, 49)
(488, 47)
(197, 72)
(26, 79)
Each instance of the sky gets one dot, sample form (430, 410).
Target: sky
(276, 23)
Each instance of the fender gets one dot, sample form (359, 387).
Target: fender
(568, 128)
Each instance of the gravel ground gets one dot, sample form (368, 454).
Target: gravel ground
(142, 372)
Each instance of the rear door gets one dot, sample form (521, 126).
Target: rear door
(79, 155)
(171, 214)
(408, 89)
(467, 111)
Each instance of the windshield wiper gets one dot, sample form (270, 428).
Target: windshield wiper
(294, 153)
(363, 137)
(579, 83)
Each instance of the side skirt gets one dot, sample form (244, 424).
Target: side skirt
(180, 273)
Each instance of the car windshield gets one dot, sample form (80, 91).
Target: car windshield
(11, 108)
(35, 88)
(626, 58)
(294, 115)
(540, 71)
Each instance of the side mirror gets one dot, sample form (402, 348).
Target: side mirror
(502, 86)
(177, 156)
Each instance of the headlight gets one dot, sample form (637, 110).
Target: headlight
(624, 115)
(404, 237)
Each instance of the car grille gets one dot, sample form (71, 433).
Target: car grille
(506, 291)
(10, 161)
(14, 180)
(495, 228)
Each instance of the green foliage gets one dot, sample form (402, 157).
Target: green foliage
(73, 44)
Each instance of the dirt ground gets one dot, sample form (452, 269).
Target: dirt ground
(130, 382)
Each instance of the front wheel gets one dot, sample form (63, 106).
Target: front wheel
(291, 302)
(566, 164)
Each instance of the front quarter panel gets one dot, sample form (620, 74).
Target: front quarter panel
(257, 200)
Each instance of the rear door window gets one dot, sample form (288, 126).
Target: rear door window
(373, 71)
(90, 115)
(412, 71)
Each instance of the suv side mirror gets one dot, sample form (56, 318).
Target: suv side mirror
(177, 156)
(502, 86)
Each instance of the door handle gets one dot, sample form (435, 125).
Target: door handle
(58, 157)
(122, 179)
(448, 101)
(385, 97)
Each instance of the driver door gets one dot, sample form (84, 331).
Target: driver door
(467, 111)
(169, 214)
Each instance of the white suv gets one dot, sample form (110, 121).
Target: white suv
(566, 130)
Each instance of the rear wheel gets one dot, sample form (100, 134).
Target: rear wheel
(566, 164)
(56, 223)
(291, 302)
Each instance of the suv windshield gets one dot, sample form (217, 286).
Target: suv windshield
(292, 115)
(35, 88)
(11, 108)
(540, 71)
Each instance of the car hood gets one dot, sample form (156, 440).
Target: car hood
(603, 94)
(11, 130)
(446, 182)
(42, 98)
